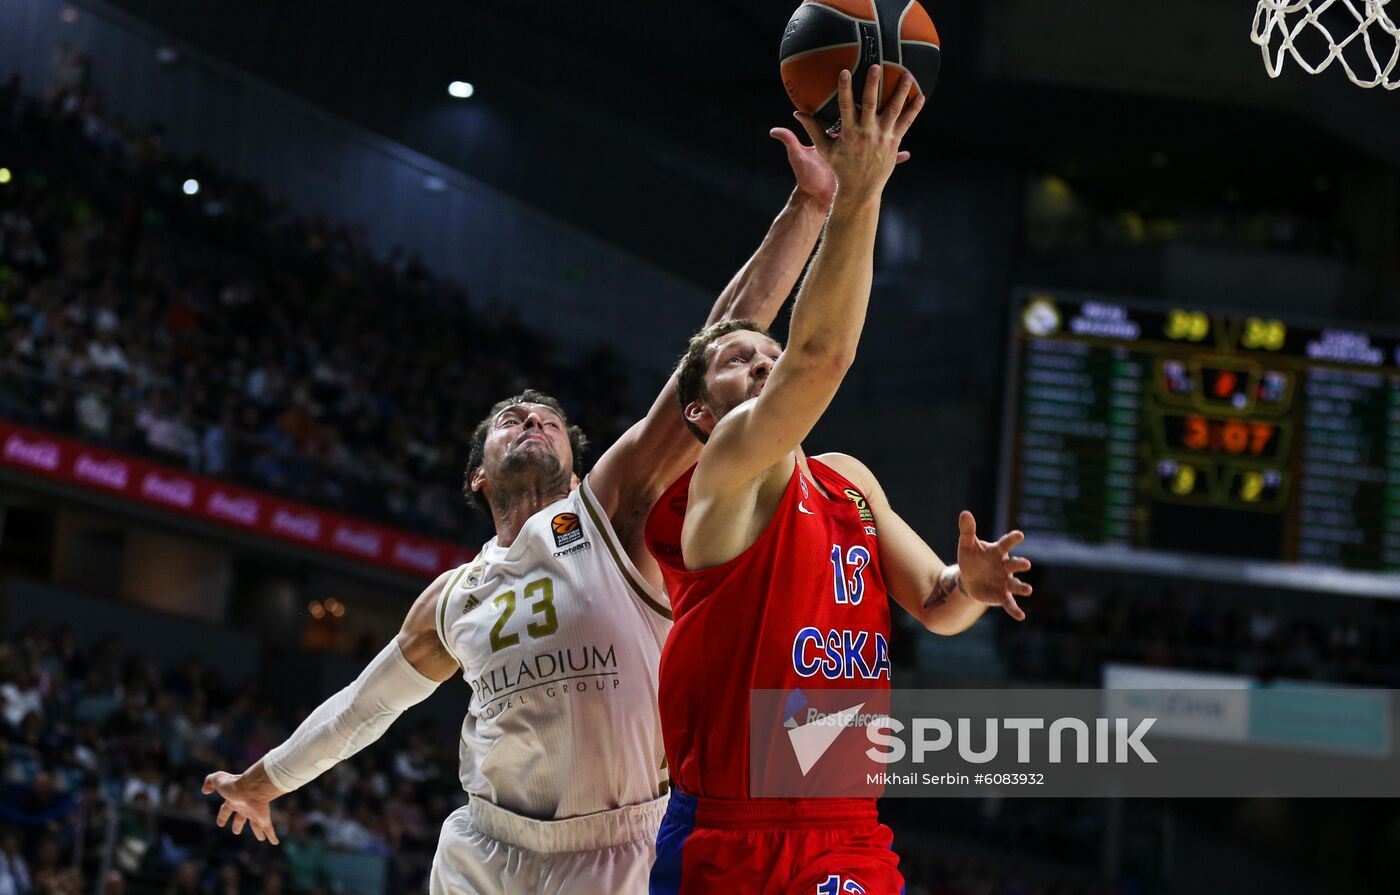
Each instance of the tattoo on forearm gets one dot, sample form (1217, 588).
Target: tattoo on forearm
(941, 592)
(948, 582)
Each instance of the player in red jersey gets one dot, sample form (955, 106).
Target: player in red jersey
(778, 566)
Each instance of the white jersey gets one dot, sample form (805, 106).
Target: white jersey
(560, 639)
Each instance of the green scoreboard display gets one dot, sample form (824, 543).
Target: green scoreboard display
(1185, 440)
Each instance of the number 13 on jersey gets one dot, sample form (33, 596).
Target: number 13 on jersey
(843, 652)
(849, 591)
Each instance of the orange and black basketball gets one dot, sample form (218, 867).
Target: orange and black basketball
(825, 36)
(564, 523)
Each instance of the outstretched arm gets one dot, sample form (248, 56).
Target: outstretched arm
(405, 673)
(760, 287)
(830, 311)
(656, 450)
(945, 599)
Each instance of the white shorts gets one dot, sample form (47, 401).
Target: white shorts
(487, 850)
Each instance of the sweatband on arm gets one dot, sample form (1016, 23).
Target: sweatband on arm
(350, 720)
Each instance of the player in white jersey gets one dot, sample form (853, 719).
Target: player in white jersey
(557, 625)
(559, 636)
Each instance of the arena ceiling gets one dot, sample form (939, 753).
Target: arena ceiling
(693, 88)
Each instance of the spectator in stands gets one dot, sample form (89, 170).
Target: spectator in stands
(14, 869)
(104, 354)
(94, 411)
(412, 763)
(306, 855)
(144, 786)
(214, 446)
(98, 702)
(48, 874)
(408, 823)
(186, 881)
(21, 697)
(165, 431)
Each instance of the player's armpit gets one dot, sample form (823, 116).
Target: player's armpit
(418, 638)
(646, 459)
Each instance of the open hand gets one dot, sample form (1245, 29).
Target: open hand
(814, 177)
(988, 568)
(864, 153)
(247, 802)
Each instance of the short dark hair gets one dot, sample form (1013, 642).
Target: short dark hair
(577, 441)
(690, 372)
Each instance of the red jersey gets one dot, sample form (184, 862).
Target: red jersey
(805, 606)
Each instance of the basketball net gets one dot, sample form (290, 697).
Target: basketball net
(1367, 44)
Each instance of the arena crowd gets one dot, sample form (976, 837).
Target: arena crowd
(225, 334)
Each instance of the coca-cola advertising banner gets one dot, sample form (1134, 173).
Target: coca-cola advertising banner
(235, 507)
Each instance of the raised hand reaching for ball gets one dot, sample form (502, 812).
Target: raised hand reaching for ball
(864, 153)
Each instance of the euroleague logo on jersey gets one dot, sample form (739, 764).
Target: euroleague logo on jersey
(859, 500)
(566, 529)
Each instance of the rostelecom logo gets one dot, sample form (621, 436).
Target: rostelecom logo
(811, 731)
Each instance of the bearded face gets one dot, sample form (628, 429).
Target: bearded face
(738, 371)
(527, 449)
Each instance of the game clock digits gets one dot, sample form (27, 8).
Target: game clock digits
(1178, 432)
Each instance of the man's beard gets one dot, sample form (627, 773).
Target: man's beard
(721, 411)
(525, 473)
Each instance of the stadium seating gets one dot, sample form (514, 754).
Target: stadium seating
(221, 333)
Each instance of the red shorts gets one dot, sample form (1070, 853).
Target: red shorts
(774, 847)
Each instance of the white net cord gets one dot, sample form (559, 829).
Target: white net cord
(1367, 44)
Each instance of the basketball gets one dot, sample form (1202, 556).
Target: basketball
(825, 36)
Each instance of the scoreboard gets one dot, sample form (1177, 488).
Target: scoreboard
(1190, 441)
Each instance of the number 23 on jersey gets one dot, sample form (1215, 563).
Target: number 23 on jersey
(538, 599)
